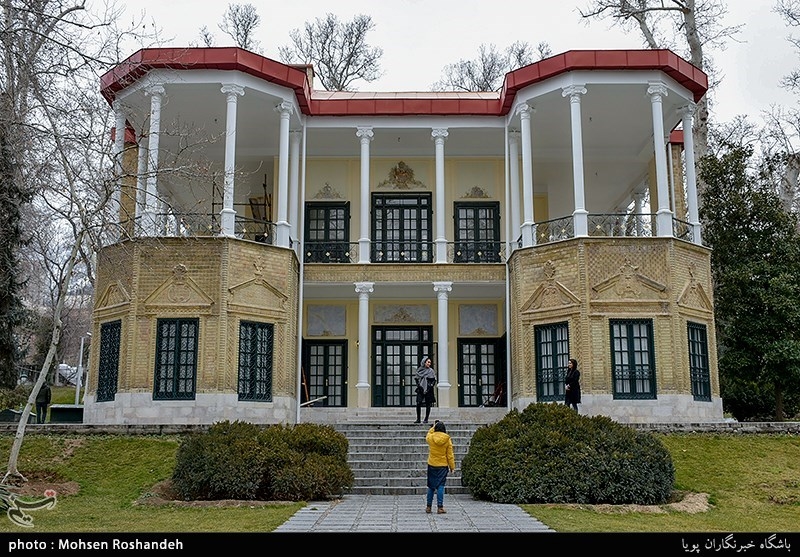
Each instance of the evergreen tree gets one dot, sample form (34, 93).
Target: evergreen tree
(756, 270)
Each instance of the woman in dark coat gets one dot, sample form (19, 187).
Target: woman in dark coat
(426, 379)
(572, 391)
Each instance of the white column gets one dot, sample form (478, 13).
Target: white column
(141, 177)
(691, 178)
(228, 215)
(439, 135)
(664, 215)
(156, 93)
(528, 226)
(364, 134)
(580, 215)
(363, 289)
(443, 367)
(119, 169)
(285, 110)
(294, 182)
(638, 208)
(514, 137)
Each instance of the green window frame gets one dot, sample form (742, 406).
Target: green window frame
(108, 368)
(699, 371)
(632, 359)
(256, 343)
(176, 359)
(552, 355)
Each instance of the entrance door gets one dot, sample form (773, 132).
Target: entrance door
(396, 353)
(481, 370)
(325, 372)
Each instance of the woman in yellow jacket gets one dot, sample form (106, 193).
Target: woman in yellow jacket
(441, 460)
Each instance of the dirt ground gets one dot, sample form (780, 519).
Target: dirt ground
(163, 494)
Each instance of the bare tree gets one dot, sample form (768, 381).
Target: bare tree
(338, 51)
(691, 28)
(487, 71)
(206, 36)
(55, 127)
(239, 22)
(790, 11)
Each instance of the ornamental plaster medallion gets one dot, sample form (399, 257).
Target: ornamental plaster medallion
(401, 177)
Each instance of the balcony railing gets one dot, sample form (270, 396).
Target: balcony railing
(600, 225)
(204, 224)
(625, 224)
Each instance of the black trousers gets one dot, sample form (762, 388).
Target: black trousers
(41, 413)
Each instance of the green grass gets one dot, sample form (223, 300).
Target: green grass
(113, 472)
(753, 482)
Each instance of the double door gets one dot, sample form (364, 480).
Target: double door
(396, 354)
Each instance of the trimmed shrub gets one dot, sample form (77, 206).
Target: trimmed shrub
(550, 454)
(240, 460)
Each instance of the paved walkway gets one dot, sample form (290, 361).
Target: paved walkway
(406, 513)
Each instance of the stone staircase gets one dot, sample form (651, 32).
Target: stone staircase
(391, 458)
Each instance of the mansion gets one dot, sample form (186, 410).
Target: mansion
(286, 254)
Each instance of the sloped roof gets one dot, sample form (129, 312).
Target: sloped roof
(350, 103)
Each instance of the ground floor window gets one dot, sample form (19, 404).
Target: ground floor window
(108, 368)
(552, 354)
(698, 361)
(176, 359)
(255, 361)
(325, 372)
(632, 359)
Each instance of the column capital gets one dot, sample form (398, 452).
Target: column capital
(524, 110)
(442, 288)
(295, 135)
(230, 89)
(155, 90)
(285, 108)
(439, 133)
(574, 92)
(364, 287)
(657, 90)
(514, 136)
(365, 133)
(687, 110)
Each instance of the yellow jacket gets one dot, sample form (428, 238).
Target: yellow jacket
(441, 449)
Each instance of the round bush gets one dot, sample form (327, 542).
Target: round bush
(550, 454)
(244, 461)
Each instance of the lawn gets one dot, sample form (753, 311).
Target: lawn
(752, 482)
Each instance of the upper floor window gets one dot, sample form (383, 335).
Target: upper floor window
(327, 238)
(477, 232)
(176, 359)
(698, 361)
(633, 370)
(401, 228)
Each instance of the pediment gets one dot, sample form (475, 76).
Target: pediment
(694, 295)
(257, 292)
(628, 283)
(180, 290)
(114, 295)
(550, 294)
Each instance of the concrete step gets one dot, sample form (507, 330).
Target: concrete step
(391, 458)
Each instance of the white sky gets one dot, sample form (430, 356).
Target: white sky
(420, 37)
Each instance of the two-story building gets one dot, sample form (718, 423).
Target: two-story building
(288, 254)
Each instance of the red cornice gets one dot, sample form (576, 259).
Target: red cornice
(396, 104)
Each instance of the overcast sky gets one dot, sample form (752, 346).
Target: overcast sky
(420, 37)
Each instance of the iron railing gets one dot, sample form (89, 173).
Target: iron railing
(641, 225)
